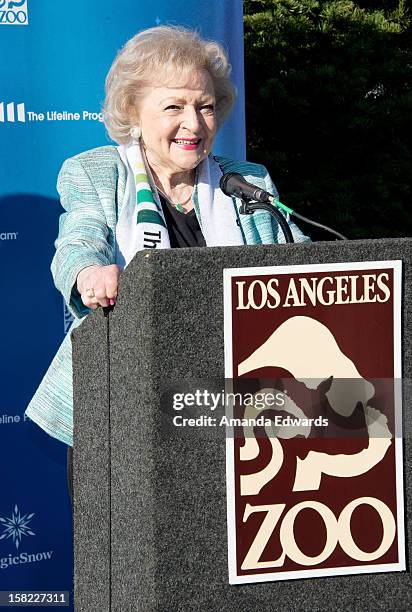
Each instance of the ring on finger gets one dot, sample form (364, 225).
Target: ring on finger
(90, 292)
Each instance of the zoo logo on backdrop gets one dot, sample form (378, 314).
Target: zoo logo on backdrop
(333, 452)
(17, 528)
(13, 12)
(10, 112)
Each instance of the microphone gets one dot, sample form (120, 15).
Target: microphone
(233, 184)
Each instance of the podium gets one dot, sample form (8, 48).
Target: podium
(150, 529)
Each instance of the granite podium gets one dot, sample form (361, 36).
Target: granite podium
(150, 500)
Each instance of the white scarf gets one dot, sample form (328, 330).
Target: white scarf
(141, 223)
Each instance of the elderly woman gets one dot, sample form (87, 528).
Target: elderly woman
(168, 92)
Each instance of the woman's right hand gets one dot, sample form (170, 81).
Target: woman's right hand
(97, 285)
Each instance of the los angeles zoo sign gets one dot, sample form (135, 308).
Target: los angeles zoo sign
(318, 489)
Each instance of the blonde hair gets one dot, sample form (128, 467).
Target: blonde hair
(157, 55)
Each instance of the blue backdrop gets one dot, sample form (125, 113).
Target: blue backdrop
(55, 56)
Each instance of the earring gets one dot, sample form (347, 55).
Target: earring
(136, 132)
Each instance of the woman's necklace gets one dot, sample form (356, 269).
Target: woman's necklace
(178, 205)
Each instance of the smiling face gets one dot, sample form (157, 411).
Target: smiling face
(178, 123)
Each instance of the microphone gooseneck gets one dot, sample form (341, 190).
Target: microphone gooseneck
(250, 207)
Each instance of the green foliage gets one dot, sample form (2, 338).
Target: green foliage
(329, 109)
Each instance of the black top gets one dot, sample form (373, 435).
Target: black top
(184, 229)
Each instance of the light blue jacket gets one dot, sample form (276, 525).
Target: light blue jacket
(91, 187)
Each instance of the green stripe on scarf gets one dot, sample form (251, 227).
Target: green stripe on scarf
(140, 178)
(149, 216)
(145, 195)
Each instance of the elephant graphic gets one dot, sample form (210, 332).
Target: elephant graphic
(308, 350)
(11, 4)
